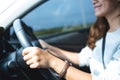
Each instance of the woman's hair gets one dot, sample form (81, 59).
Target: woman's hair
(97, 31)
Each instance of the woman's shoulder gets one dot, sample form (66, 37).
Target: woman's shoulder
(117, 31)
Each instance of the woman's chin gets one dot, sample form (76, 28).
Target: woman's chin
(97, 14)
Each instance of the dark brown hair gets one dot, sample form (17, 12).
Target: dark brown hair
(97, 31)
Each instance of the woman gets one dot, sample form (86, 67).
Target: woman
(101, 54)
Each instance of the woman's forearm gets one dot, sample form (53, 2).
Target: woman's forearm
(65, 55)
(60, 53)
(71, 73)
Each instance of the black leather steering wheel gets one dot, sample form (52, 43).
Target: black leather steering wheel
(28, 39)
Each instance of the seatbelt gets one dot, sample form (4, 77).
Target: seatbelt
(103, 50)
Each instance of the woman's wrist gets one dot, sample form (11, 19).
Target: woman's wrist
(56, 64)
(65, 68)
(59, 66)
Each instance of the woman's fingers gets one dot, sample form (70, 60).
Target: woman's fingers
(34, 59)
(28, 56)
(43, 43)
(35, 65)
(31, 50)
(32, 56)
(27, 50)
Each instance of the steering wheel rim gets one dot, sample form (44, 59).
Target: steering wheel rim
(23, 35)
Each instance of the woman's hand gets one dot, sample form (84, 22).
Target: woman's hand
(44, 44)
(36, 57)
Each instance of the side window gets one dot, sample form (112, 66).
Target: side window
(56, 16)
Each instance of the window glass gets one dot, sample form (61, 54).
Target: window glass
(56, 16)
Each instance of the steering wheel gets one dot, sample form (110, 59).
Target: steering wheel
(28, 39)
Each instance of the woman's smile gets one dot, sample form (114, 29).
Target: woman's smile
(97, 7)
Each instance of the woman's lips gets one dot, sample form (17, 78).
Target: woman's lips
(97, 7)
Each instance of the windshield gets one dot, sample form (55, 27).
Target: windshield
(60, 16)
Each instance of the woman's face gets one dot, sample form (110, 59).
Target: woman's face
(104, 7)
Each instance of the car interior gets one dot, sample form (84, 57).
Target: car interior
(20, 35)
(14, 67)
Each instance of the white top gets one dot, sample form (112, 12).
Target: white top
(93, 58)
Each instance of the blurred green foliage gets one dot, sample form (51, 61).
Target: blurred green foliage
(59, 30)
